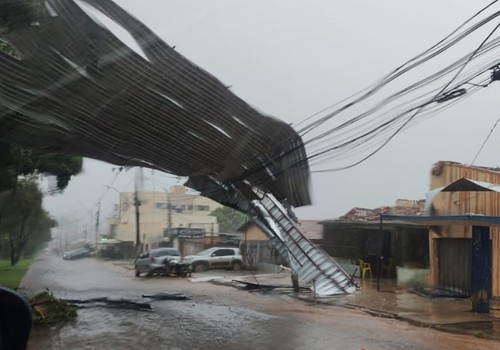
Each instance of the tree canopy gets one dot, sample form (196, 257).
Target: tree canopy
(17, 161)
(229, 220)
(25, 225)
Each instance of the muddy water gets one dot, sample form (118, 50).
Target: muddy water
(217, 317)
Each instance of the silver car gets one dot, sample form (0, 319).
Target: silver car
(215, 258)
(77, 253)
(144, 261)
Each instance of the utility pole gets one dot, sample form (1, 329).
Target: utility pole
(137, 218)
(169, 208)
(97, 222)
(212, 235)
(77, 236)
(137, 203)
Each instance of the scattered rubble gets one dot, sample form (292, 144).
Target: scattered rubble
(109, 303)
(166, 296)
(48, 309)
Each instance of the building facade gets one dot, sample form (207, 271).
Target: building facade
(399, 245)
(450, 247)
(176, 208)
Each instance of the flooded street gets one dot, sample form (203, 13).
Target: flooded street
(216, 317)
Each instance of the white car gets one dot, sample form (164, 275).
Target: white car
(215, 258)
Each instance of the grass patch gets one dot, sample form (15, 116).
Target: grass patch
(11, 276)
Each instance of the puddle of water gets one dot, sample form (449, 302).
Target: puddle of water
(482, 329)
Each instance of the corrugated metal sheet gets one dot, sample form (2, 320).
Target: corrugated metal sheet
(455, 264)
(312, 264)
(79, 89)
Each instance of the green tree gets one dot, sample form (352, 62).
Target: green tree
(25, 223)
(229, 220)
(16, 161)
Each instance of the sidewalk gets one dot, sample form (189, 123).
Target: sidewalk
(442, 313)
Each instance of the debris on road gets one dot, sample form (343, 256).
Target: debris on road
(48, 309)
(257, 286)
(166, 296)
(110, 303)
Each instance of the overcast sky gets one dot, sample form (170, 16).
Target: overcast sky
(292, 58)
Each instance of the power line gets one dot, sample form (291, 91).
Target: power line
(485, 140)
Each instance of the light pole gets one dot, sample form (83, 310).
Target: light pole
(97, 222)
(119, 200)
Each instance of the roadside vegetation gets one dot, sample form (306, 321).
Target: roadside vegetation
(11, 276)
(46, 309)
(24, 225)
(229, 220)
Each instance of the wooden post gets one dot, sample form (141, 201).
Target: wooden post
(481, 269)
(434, 259)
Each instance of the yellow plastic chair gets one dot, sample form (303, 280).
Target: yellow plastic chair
(364, 267)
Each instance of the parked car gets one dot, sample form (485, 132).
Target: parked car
(78, 253)
(215, 258)
(158, 255)
(169, 266)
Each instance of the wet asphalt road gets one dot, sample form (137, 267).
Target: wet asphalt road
(216, 317)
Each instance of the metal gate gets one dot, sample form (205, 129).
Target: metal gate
(455, 264)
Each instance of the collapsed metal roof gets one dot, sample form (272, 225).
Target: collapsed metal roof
(77, 87)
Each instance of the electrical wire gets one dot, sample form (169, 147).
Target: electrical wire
(351, 131)
(484, 142)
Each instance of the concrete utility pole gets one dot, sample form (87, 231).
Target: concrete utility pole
(212, 234)
(169, 205)
(97, 222)
(137, 203)
(169, 208)
(138, 178)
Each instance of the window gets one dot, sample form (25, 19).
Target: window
(223, 252)
(202, 208)
(178, 207)
(190, 207)
(162, 252)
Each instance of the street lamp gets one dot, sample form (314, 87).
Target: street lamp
(119, 200)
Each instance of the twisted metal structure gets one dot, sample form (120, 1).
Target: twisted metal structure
(72, 85)
(75, 86)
